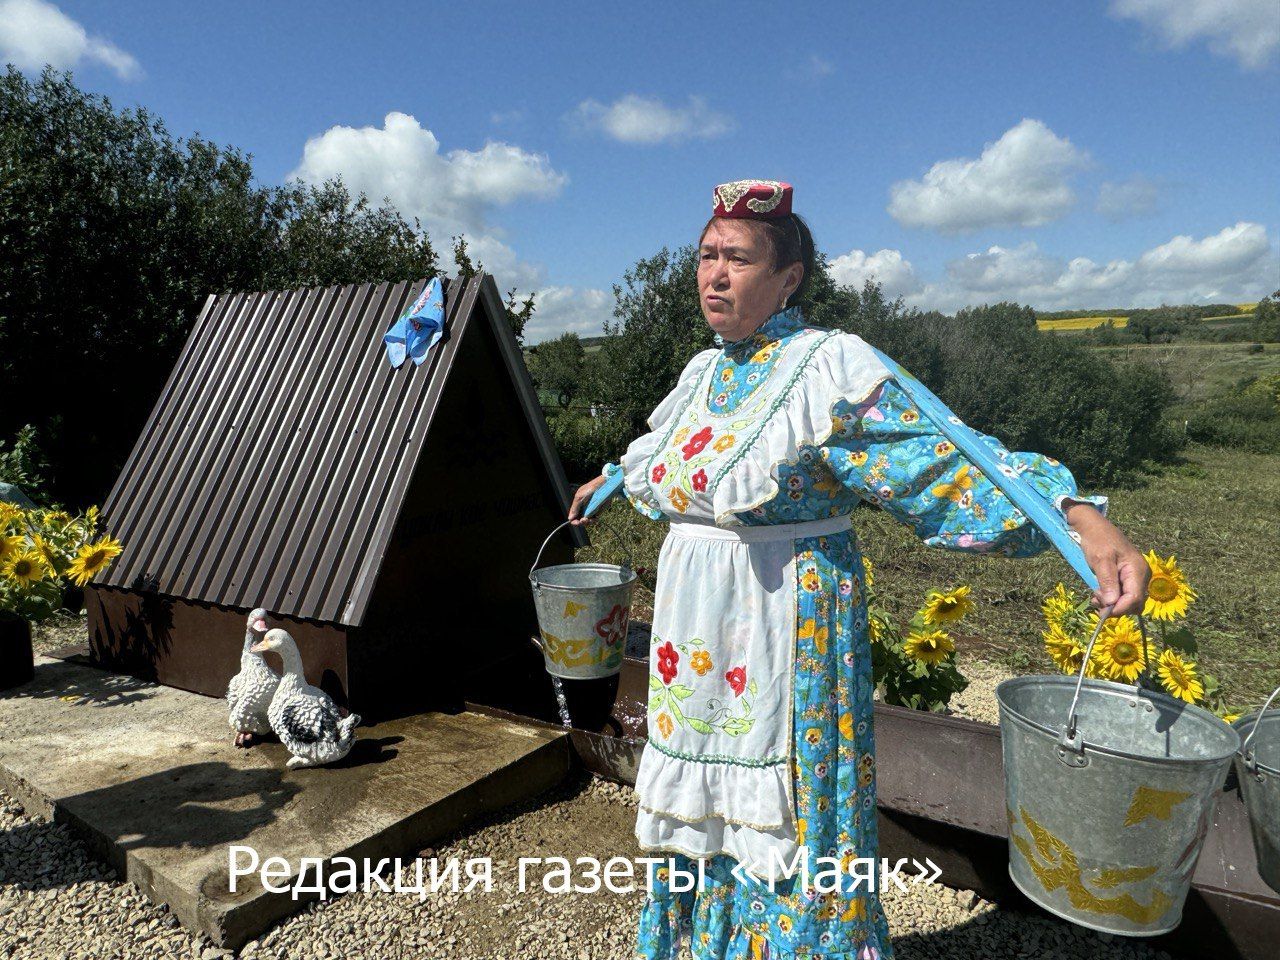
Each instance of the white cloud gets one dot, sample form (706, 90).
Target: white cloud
(1128, 199)
(1020, 180)
(1237, 263)
(636, 119)
(450, 192)
(820, 66)
(1248, 30)
(35, 32)
(1225, 254)
(558, 310)
(895, 274)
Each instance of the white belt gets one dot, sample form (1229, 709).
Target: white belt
(778, 531)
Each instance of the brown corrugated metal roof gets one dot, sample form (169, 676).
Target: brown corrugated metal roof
(273, 467)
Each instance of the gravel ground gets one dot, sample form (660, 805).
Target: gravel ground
(58, 902)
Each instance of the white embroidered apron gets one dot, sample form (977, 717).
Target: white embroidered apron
(716, 776)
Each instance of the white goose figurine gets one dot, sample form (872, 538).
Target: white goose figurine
(304, 717)
(250, 691)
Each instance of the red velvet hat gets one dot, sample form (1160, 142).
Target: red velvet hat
(756, 199)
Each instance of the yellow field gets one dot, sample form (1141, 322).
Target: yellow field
(1080, 323)
(1088, 323)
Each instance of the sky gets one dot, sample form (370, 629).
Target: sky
(1105, 153)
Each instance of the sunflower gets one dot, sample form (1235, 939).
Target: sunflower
(1063, 651)
(92, 558)
(9, 546)
(1168, 594)
(9, 515)
(870, 571)
(1120, 649)
(1058, 605)
(875, 627)
(44, 548)
(26, 567)
(947, 607)
(1179, 677)
(55, 518)
(929, 647)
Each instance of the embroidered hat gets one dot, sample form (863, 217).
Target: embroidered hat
(755, 199)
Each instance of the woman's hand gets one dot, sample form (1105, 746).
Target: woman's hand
(1121, 569)
(580, 499)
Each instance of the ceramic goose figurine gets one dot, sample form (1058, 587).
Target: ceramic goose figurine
(304, 717)
(250, 691)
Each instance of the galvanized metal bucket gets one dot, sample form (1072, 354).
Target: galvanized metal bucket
(1258, 769)
(1109, 791)
(583, 612)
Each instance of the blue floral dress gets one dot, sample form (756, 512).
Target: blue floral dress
(822, 442)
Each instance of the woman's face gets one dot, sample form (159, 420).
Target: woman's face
(737, 285)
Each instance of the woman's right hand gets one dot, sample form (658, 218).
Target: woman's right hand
(580, 499)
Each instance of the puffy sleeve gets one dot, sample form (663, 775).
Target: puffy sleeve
(884, 449)
(634, 461)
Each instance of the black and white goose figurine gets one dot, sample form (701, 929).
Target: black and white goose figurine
(304, 717)
(250, 691)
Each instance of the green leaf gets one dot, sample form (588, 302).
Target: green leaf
(654, 683)
(701, 726)
(1182, 640)
(753, 688)
(681, 691)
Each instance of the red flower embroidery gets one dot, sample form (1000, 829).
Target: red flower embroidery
(737, 678)
(613, 628)
(667, 660)
(700, 480)
(659, 472)
(697, 442)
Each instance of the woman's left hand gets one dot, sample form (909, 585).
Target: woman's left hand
(1121, 569)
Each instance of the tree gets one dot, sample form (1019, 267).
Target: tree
(112, 233)
(1265, 327)
(557, 366)
(659, 326)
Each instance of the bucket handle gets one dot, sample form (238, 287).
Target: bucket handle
(1250, 761)
(538, 559)
(1070, 745)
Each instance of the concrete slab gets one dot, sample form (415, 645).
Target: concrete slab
(148, 776)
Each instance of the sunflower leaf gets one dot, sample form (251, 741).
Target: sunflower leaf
(1182, 640)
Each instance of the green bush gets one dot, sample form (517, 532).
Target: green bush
(1246, 418)
(23, 464)
(586, 443)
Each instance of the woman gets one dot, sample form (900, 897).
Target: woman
(761, 748)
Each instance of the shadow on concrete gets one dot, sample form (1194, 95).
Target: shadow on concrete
(100, 690)
(365, 752)
(195, 806)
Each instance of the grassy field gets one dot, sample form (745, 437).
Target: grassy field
(1218, 511)
(1199, 370)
